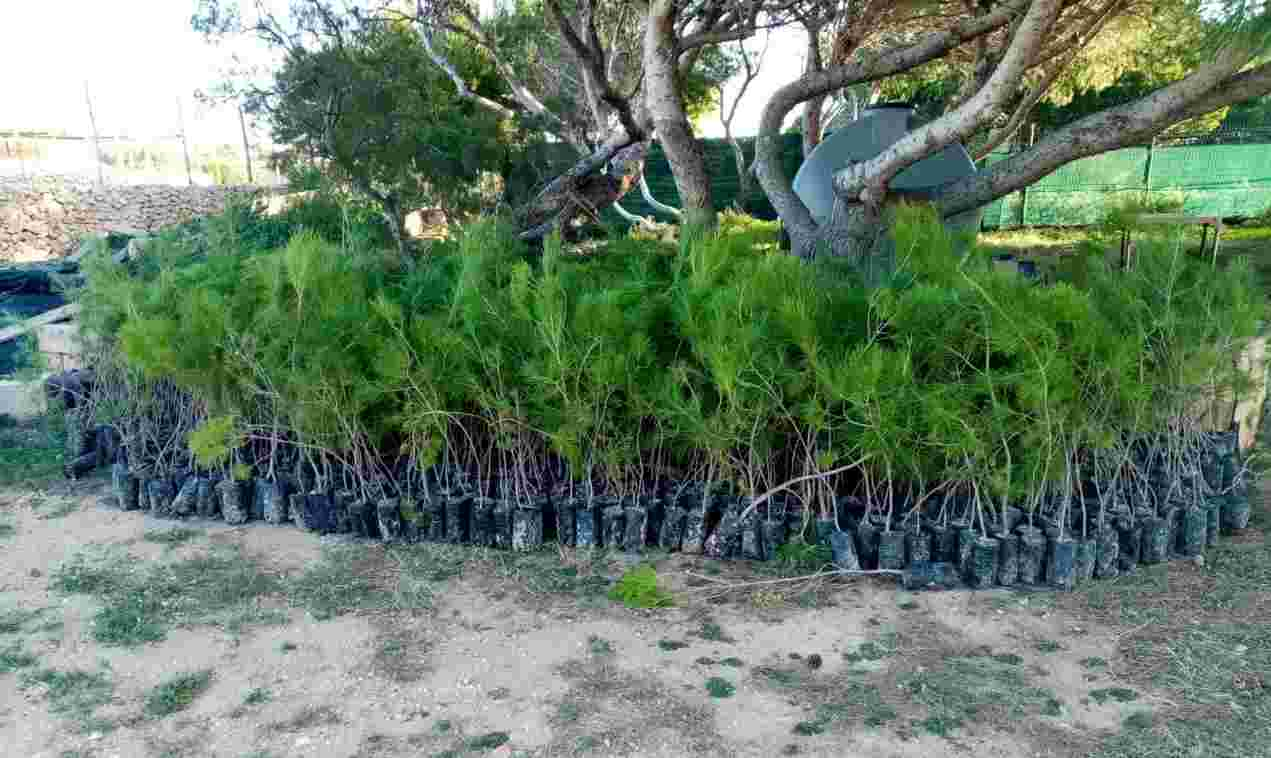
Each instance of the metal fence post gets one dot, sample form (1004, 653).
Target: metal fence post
(1147, 172)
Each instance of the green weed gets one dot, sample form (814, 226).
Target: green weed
(13, 621)
(638, 588)
(172, 537)
(486, 742)
(719, 687)
(258, 696)
(177, 693)
(348, 579)
(671, 645)
(713, 632)
(140, 603)
(599, 646)
(1114, 694)
(72, 694)
(14, 657)
(964, 686)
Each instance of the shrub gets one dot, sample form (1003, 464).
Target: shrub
(950, 386)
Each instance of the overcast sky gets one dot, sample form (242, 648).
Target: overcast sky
(139, 56)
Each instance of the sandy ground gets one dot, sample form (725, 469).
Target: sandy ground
(560, 677)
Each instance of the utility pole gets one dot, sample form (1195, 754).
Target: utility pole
(185, 146)
(247, 155)
(97, 148)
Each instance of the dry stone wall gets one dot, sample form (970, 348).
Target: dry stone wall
(44, 218)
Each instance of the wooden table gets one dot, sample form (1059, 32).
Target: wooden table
(1173, 219)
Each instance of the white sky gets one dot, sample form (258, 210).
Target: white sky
(140, 56)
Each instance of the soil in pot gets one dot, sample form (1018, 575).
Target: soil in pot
(867, 544)
(1032, 553)
(891, 550)
(843, 551)
(123, 487)
(1107, 550)
(693, 541)
(944, 543)
(1235, 510)
(437, 520)
(205, 503)
(1156, 540)
(984, 562)
(1008, 559)
(672, 530)
(585, 529)
(458, 516)
(388, 515)
(774, 536)
(917, 544)
(966, 553)
(233, 497)
(636, 520)
(1213, 520)
(1061, 567)
(1084, 559)
(142, 478)
(566, 510)
(1195, 527)
(527, 526)
(162, 493)
(501, 518)
(274, 506)
(296, 505)
(481, 526)
(319, 512)
(342, 500)
(655, 510)
(613, 527)
(1130, 536)
(186, 500)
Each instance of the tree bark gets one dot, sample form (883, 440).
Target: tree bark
(665, 106)
(812, 109)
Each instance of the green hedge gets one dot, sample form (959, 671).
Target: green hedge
(720, 359)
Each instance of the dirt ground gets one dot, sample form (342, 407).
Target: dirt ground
(431, 651)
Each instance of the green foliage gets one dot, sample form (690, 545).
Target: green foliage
(638, 588)
(726, 356)
(371, 102)
(214, 441)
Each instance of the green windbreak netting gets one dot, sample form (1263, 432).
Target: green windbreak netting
(1208, 179)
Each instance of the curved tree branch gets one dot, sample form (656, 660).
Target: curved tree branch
(868, 179)
(772, 176)
(1205, 90)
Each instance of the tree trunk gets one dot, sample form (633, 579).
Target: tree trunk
(745, 181)
(666, 109)
(396, 219)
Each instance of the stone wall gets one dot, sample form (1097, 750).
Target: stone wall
(44, 217)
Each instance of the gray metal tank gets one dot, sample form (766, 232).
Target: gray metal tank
(876, 130)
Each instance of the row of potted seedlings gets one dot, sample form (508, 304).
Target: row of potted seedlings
(1096, 533)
